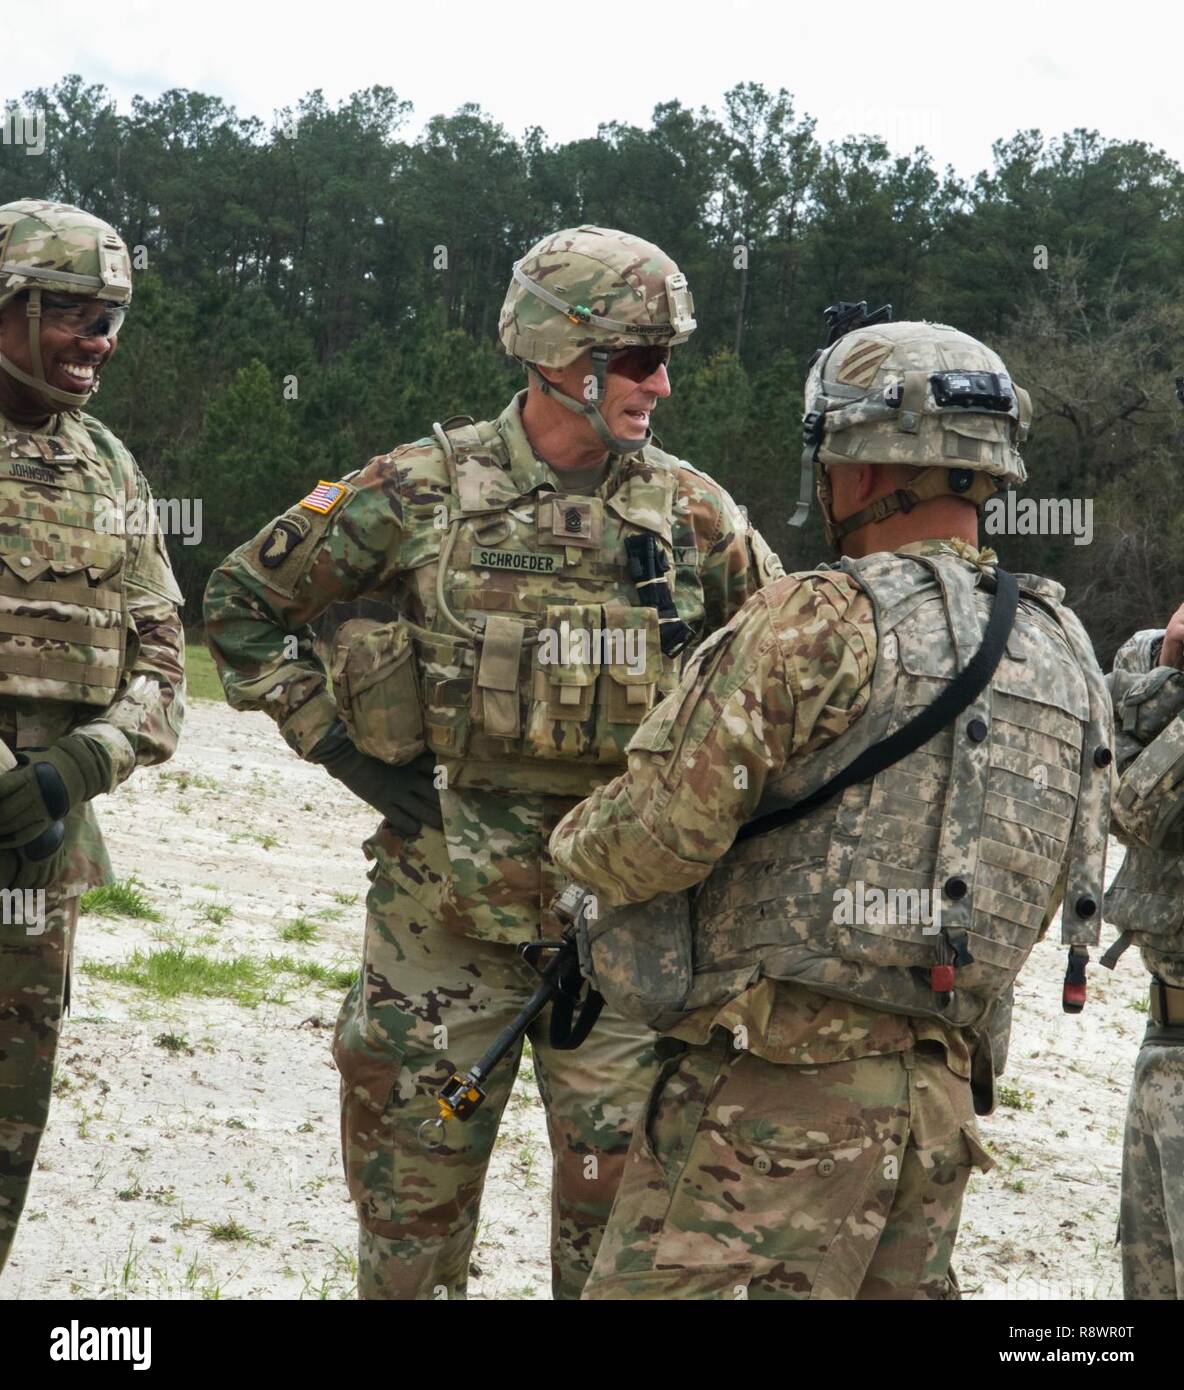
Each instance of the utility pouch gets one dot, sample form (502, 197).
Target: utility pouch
(640, 958)
(563, 695)
(631, 670)
(376, 689)
(446, 682)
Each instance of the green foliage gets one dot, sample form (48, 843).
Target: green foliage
(1014, 1097)
(119, 900)
(170, 971)
(320, 291)
(300, 930)
(201, 679)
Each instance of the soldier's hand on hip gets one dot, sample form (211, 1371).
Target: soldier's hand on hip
(48, 784)
(405, 795)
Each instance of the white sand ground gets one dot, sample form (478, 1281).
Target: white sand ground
(192, 1151)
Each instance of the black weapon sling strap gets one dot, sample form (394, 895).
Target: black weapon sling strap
(962, 691)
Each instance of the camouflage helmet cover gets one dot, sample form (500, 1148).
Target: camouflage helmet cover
(880, 394)
(63, 249)
(593, 287)
(920, 394)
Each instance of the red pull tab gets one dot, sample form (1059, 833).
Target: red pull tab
(1073, 993)
(1073, 998)
(941, 978)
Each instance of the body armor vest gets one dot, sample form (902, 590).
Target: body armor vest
(537, 655)
(62, 610)
(955, 854)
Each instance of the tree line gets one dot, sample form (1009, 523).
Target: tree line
(320, 289)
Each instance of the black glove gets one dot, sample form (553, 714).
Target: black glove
(405, 795)
(19, 871)
(48, 784)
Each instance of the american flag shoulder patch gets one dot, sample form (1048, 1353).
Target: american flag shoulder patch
(324, 497)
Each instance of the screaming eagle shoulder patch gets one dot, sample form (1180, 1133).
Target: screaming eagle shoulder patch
(284, 538)
(324, 497)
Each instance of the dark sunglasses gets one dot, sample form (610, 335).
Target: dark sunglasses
(637, 363)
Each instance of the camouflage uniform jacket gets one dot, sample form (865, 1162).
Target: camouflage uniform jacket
(789, 677)
(55, 483)
(1146, 899)
(488, 876)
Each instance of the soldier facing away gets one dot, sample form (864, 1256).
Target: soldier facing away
(826, 1002)
(92, 652)
(503, 548)
(1146, 902)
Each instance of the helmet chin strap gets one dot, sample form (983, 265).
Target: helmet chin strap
(588, 409)
(37, 382)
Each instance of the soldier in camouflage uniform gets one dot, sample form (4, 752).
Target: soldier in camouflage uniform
(1146, 902)
(92, 651)
(503, 548)
(812, 1132)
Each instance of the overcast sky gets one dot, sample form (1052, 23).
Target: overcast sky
(953, 77)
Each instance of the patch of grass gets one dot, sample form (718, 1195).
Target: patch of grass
(186, 780)
(120, 900)
(172, 1043)
(1015, 1098)
(300, 930)
(215, 912)
(345, 899)
(172, 971)
(200, 675)
(267, 840)
(336, 977)
(229, 1230)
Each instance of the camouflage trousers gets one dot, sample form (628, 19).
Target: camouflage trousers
(34, 965)
(429, 1003)
(1152, 1209)
(749, 1179)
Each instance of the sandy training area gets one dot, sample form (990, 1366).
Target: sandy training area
(192, 1151)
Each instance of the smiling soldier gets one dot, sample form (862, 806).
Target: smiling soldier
(92, 651)
(495, 543)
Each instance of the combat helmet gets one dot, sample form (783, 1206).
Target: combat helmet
(922, 394)
(593, 287)
(62, 249)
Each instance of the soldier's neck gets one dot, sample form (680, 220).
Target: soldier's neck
(559, 438)
(939, 519)
(20, 406)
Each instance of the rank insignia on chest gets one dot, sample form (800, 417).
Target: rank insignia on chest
(324, 497)
(285, 537)
(571, 521)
